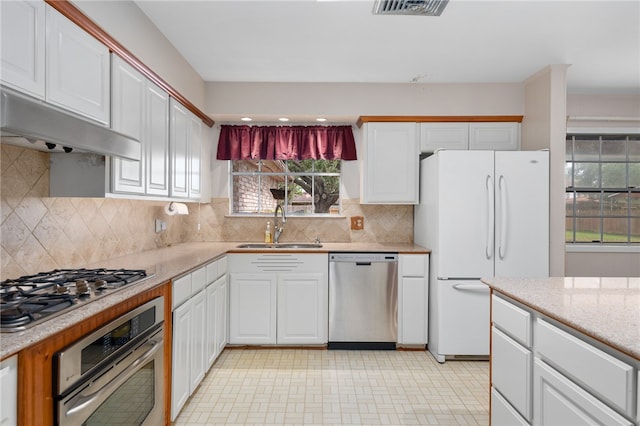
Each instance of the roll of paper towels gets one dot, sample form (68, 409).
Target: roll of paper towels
(176, 208)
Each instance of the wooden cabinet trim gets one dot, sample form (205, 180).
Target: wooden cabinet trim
(80, 19)
(438, 119)
(35, 363)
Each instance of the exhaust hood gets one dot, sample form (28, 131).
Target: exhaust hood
(21, 115)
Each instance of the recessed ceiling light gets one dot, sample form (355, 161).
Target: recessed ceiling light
(321, 119)
(246, 119)
(283, 119)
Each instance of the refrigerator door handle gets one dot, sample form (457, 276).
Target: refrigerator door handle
(490, 218)
(471, 287)
(503, 217)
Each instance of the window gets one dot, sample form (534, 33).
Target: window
(602, 180)
(303, 187)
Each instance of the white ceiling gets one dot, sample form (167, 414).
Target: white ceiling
(473, 41)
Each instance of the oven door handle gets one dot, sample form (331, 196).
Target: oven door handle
(85, 401)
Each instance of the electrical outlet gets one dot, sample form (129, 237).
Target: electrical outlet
(160, 226)
(357, 222)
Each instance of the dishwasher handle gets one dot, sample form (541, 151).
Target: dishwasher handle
(363, 263)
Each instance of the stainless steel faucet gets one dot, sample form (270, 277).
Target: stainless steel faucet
(277, 226)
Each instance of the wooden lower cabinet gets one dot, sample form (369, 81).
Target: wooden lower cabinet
(35, 363)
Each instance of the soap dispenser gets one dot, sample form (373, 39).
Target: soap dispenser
(268, 238)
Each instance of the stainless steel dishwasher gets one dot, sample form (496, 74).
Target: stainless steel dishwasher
(363, 300)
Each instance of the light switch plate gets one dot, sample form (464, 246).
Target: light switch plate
(357, 223)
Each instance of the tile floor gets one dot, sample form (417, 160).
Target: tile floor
(298, 386)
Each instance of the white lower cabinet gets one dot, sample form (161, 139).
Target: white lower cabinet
(9, 391)
(286, 307)
(546, 374)
(560, 402)
(252, 309)
(199, 310)
(301, 309)
(413, 299)
(502, 413)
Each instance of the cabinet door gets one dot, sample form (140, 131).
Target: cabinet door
(302, 309)
(22, 34)
(559, 401)
(494, 136)
(502, 413)
(390, 163)
(195, 150)
(77, 69)
(412, 311)
(211, 325)
(222, 311)
(181, 358)
(443, 136)
(9, 391)
(511, 366)
(157, 140)
(179, 150)
(252, 309)
(198, 340)
(128, 117)
(413, 291)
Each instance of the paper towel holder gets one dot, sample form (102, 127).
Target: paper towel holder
(174, 208)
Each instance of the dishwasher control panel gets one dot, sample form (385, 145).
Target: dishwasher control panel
(363, 257)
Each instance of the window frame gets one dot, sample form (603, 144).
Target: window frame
(285, 174)
(632, 243)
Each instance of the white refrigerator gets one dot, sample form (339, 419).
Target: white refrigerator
(483, 214)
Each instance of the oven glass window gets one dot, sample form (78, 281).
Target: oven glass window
(131, 403)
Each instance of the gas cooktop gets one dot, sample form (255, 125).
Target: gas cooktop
(31, 299)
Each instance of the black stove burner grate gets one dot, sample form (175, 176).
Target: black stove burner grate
(27, 299)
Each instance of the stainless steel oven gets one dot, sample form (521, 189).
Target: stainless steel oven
(114, 376)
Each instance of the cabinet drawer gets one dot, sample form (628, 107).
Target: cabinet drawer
(511, 366)
(212, 271)
(511, 319)
(181, 291)
(502, 413)
(599, 372)
(198, 280)
(559, 401)
(413, 265)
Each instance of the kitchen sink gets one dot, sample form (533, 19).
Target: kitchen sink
(282, 245)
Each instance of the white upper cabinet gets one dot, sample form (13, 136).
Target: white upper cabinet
(185, 150)
(195, 157)
(443, 135)
(494, 136)
(140, 109)
(499, 136)
(389, 162)
(22, 33)
(77, 70)
(128, 117)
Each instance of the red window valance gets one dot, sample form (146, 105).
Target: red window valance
(286, 143)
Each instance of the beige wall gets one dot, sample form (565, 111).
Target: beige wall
(544, 128)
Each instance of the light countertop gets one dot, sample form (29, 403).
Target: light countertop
(607, 309)
(165, 264)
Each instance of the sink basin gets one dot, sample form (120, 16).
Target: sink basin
(282, 245)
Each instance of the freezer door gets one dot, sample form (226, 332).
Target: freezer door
(522, 214)
(466, 212)
(463, 317)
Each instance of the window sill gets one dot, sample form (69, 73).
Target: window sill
(262, 216)
(602, 248)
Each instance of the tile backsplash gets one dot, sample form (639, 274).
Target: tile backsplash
(39, 233)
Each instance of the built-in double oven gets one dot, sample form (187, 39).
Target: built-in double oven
(114, 375)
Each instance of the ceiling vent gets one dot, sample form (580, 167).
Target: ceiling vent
(409, 7)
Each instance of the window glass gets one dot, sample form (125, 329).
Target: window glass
(602, 179)
(302, 187)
